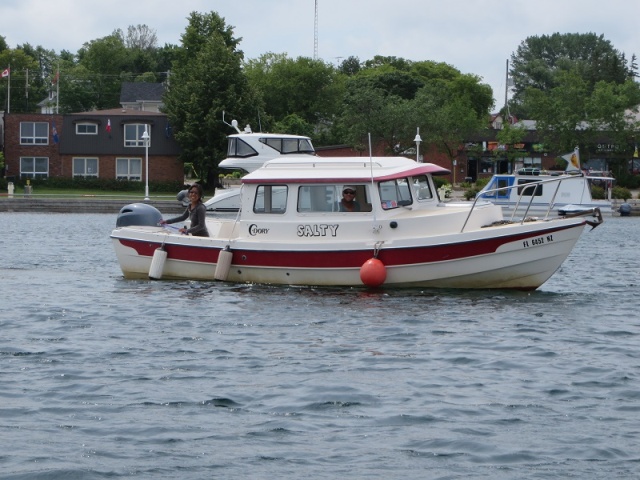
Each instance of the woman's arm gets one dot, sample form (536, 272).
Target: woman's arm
(181, 218)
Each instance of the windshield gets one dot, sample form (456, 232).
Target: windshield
(289, 145)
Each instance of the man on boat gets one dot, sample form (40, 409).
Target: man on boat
(348, 202)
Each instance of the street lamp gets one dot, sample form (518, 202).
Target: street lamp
(145, 137)
(418, 140)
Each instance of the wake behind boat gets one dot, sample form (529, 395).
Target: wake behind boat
(291, 231)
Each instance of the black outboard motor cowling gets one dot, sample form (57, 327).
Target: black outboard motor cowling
(138, 214)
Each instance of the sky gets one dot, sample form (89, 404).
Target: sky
(474, 36)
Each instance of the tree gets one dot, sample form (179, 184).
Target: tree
(206, 80)
(310, 89)
(452, 111)
(540, 62)
(105, 59)
(21, 97)
(141, 37)
(573, 114)
(350, 66)
(390, 97)
(370, 110)
(510, 136)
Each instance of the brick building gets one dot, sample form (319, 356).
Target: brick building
(104, 144)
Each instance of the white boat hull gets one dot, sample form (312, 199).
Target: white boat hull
(520, 258)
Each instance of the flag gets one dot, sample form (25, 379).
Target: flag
(573, 160)
(635, 152)
(109, 126)
(56, 77)
(54, 132)
(6, 72)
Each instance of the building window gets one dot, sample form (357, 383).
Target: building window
(34, 133)
(34, 167)
(129, 169)
(85, 167)
(133, 134)
(86, 129)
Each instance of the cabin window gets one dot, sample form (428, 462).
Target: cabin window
(34, 167)
(289, 145)
(422, 188)
(239, 148)
(85, 167)
(327, 198)
(271, 199)
(395, 193)
(86, 129)
(530, 191)
(34, 133)
(129, 169)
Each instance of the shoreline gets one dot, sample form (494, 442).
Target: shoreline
(25, 204)
(94, 204)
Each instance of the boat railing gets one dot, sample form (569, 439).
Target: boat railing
(526, 190)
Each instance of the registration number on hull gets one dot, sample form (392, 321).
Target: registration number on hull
(533, 242)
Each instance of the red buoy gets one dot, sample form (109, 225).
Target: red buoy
(373, 273)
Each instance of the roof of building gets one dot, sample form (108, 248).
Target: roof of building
(132, 92)
(119, 111)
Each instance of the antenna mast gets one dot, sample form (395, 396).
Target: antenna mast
(315, 34)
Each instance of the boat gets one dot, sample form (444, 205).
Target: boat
(530, 191)
(289, 231)
(246, 152)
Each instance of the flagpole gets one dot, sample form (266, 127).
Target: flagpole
(58, 88)
(9, 91)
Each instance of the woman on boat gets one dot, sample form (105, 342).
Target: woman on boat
(196, 212)
(348, 202)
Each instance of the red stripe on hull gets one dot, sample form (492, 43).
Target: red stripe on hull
(336, 258)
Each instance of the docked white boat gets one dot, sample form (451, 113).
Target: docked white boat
(248, 151)
(531, 192)
(290, 232)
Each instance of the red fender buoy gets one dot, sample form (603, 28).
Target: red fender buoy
(373, 273)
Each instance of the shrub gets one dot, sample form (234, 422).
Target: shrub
(102, 185)
(620, 193)
(597, 192)
(471, 192)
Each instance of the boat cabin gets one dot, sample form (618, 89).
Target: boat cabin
(318, 186)
(248, 151)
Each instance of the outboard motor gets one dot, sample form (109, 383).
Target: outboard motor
(138, 214)
(183, 197)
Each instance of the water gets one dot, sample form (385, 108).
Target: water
(103, 377)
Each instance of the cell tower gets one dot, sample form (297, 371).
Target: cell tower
(315, 33)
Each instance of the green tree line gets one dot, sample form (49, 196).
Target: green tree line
(575, 86)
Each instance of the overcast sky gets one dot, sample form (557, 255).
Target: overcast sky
(474, 36)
